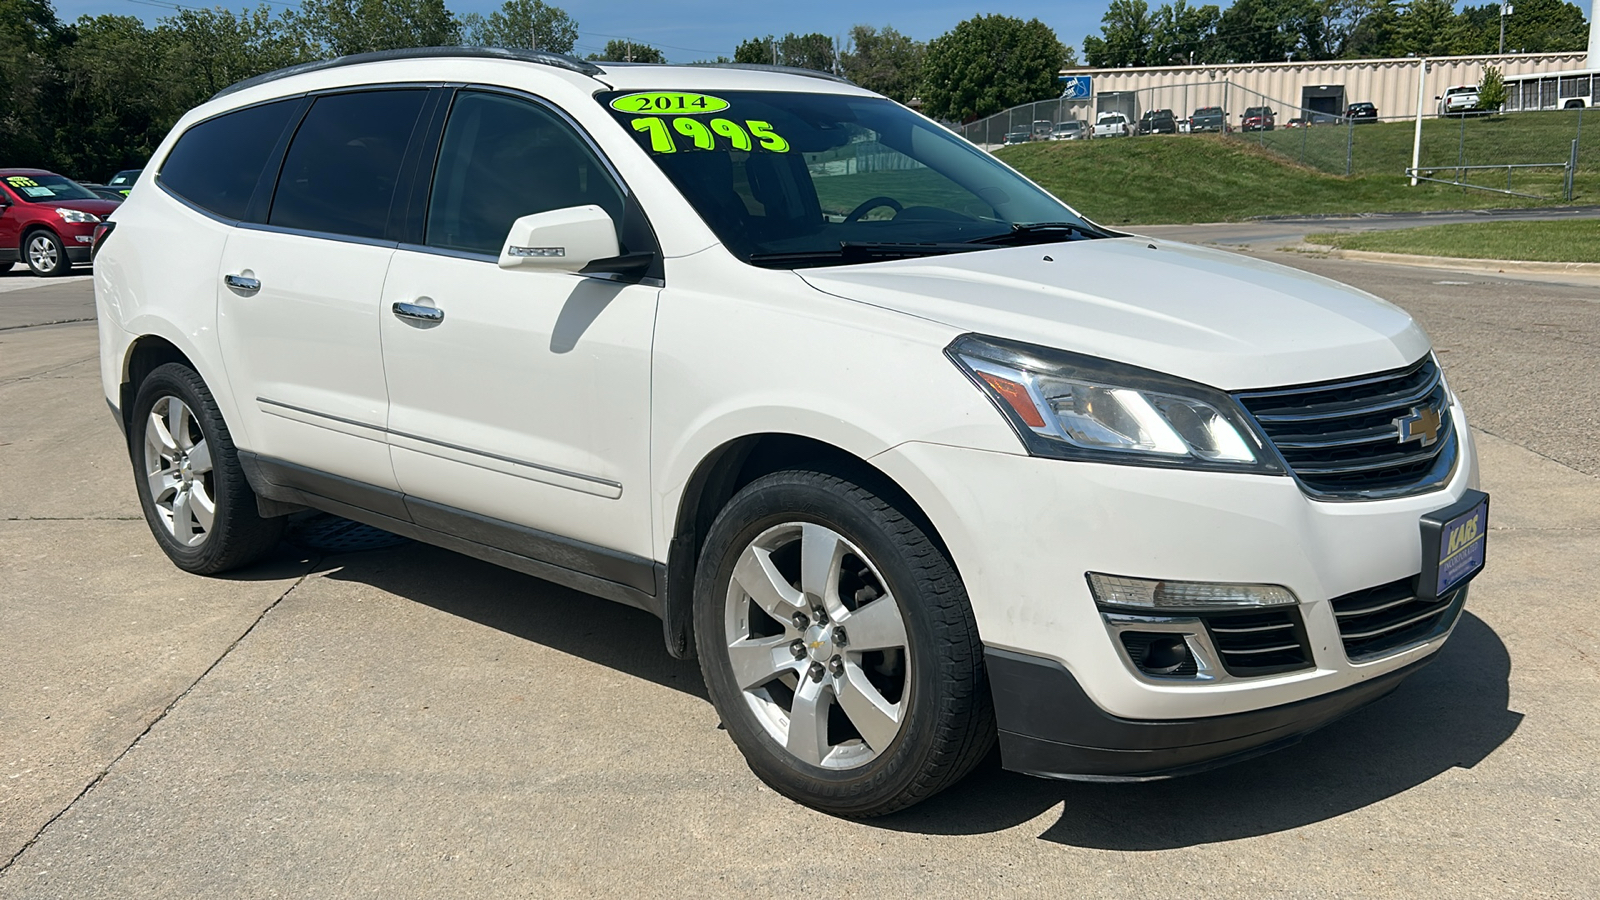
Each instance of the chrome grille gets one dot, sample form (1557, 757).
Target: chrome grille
(1391, 617)
(1260, 643)
(1340, 439)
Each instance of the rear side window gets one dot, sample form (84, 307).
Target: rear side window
(341, 169)
(215, 165)
(502, 159)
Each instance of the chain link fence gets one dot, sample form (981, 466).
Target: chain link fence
(1543, 155)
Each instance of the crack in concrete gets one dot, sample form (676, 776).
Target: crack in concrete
(43, 324)
(31, 375)
(1513, 442)
(106, 770)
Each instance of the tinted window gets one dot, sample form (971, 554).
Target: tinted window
(215, 164)
(341, 170)
(504, 158)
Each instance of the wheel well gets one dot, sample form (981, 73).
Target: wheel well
(722, 474)
(147, 354)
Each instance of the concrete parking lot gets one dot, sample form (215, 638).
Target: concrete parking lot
(406, 722)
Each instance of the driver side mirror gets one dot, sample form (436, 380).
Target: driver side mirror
(561, 240)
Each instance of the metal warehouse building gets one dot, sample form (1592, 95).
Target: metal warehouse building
(1319, 87)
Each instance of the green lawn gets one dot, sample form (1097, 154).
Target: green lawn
(1208, 178)
(1539, 241)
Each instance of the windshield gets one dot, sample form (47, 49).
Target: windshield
(793, 179)
(48, 188)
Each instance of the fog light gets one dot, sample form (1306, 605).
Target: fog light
(1160, 654)
(1140, 593)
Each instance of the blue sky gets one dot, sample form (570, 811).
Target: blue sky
(687, 30)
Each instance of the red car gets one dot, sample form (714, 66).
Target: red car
(46, 220)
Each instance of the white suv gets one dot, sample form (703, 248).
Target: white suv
(908, 452)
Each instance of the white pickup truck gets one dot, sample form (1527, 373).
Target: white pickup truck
(1111, 124)
(1460, 100)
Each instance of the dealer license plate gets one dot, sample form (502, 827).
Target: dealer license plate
(1453, 544)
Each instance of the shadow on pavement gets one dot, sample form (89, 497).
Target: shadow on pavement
(1450, 714)
(1453, 713)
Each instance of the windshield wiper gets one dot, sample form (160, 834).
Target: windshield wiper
(1040, 233)
(863, 251)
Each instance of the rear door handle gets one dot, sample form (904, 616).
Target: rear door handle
(419, 313)
(242, 282)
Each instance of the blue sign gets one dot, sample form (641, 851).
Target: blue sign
(1076, 87)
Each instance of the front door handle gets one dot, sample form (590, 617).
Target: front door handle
(242, 283)
(419, 313)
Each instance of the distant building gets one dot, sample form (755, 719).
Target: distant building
(1327, 87)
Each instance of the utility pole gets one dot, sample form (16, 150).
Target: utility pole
(1505, 10)
(1416, 138)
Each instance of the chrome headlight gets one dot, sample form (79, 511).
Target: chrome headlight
(1070, 406)
(76, 215)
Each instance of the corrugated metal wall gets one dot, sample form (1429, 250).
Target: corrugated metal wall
(1391, 84)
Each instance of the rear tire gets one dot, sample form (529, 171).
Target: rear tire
(838, 645)
(195, 497)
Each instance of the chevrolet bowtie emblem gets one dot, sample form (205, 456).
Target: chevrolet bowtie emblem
(1422, 424)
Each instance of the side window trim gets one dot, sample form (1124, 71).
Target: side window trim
(419, 166)
(269, 166)
(261, 200)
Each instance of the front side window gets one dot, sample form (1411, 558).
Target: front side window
(217, 163)
(792, 179)
(503, 158)
(341, 170)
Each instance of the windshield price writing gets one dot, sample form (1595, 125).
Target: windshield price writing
(703, 135)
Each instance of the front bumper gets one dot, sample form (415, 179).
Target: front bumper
(1050, 728)
(1022, 532)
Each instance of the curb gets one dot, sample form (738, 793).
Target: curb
(1451, 262)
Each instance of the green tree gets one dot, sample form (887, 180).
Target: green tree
(340, 27)
(806, 51)
(757, 50)
(989, 63)
(1427, 28)
(884, 60)
(1546, 26)
(524, 24)
(1183, 33)
(117, 104)
(1274, 30)
(1127, 29)
(1491, 89)
(213, 48)
(623, 50)
(30, 84)
(1372, 30)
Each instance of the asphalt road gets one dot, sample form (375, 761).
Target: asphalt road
(411, 723)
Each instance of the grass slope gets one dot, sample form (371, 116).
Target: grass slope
(1540, 241)
(1187, 178)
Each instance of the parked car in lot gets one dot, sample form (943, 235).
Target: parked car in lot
(46, 220)
(1461, 100)
(1361, 112)
(1042, 129)
(1158, 121)
(1110, 124)
(105, 191)
(1070, 130)
(906, 485)
(124, 180)
(1020, 136)
(1209, 118)
(1258, 118)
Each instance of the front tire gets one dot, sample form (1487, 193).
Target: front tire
(838, 645)
(195, 497)
(45, 253)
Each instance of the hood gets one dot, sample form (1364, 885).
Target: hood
(1225, 320)
(101, 208)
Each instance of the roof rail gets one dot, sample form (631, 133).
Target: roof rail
(782, 70)
(539, 57)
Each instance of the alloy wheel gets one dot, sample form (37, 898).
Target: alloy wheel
(42, 254)
(178, 466)
(818, 646)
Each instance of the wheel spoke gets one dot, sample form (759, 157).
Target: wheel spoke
(182, 517)
(200, 457)
(821, 552)
(808, 722)
(201, 506)
(876, 626)
(178, 422)
(162, 483)
(158, 437)
(876, 718)
(756, 662)
(759, 578)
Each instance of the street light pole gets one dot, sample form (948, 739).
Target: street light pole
(1416, 138)
(1505, 10)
